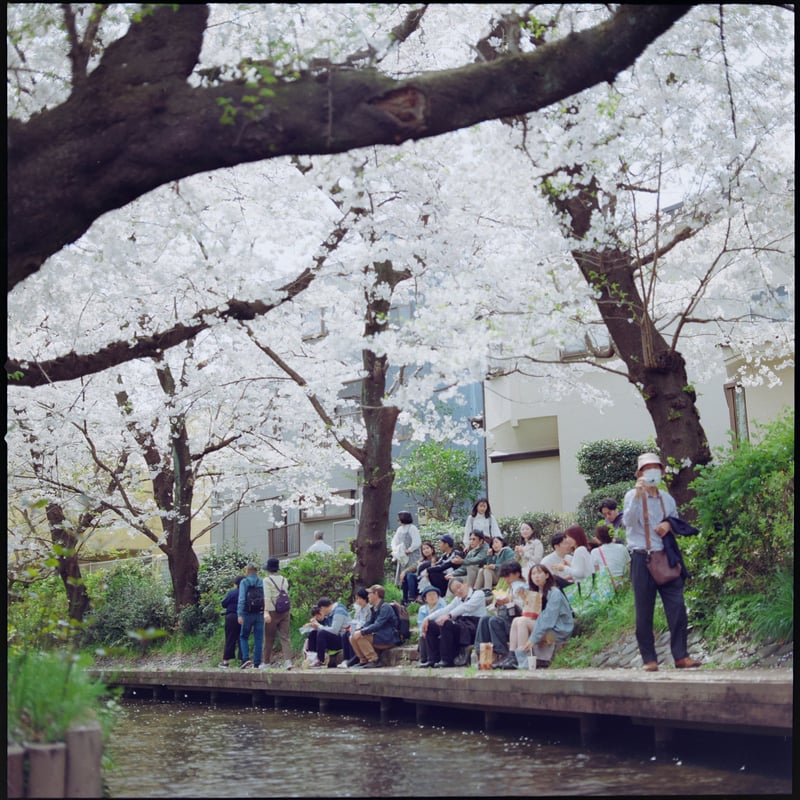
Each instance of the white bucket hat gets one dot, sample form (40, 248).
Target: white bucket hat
(648, 458)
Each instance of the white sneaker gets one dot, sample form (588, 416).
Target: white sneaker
(287, 664)
(262, 665)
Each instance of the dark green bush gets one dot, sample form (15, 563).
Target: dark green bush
(315, 575)
(134, 603)
(609, 461)
(745, 511)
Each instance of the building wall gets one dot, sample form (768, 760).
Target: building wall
(520, 420)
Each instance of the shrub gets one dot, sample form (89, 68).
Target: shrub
(609, 461)
(314, 575)
(214, 578)
(37, 616)
(745, 512)
(135, 604)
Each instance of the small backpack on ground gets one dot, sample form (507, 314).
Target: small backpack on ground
(403, 621)
(254, 599)
(282, 601)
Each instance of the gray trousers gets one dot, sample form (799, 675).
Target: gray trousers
(644, 599)
(495, 630)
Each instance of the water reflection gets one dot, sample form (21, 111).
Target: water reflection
(165, 749)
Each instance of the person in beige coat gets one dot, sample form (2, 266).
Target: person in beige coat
(274, 621)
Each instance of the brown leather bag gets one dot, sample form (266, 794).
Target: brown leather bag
(657, 561)
(659, 568)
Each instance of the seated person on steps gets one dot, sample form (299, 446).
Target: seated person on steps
(327, 634)
(431, 601)
(475, 558)
(508, 605)
(453, 626)
(380, 633)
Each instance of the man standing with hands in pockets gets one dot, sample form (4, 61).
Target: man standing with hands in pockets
(645, 512)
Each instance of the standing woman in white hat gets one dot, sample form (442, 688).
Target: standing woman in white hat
(645, 512)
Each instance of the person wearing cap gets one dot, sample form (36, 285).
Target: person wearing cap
(450, 628)
(438, 572)
(431, 601)
(250, 621)
(659, 505)
(276, 622)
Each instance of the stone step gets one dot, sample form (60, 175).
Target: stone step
(399, 656)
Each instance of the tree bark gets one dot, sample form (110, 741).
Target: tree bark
(135, 123)
(69, 569)
(657, 369)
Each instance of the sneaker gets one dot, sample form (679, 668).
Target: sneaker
(262, 665)
(353, 661)
(371, 664)
(223, 665)
(287, 664)
(247, 664)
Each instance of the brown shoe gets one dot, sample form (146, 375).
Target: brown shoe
(651, 666)
(687, 663)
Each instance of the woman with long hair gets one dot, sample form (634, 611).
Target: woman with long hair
(530, 549)
(480, 519)
(556, 621)
(415, 580)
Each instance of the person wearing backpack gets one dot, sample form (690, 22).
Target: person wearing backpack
(277, 613)
(250, 614)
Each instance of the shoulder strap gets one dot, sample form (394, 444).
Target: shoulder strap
(646, 515)
(603, 556)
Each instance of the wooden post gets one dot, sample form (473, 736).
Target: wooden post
(15, 772)
(47, 770)
(84, 755)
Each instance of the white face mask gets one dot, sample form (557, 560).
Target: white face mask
(652, 477)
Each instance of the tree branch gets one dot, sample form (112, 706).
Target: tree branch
(136, 124)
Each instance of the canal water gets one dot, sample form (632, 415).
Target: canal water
(170, 749)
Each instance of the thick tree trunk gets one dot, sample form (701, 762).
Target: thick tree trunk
(378, 477)
(69, 569)
(656, 369)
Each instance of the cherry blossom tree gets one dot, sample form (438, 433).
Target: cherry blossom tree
(459, 228)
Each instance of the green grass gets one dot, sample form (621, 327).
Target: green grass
(50, 691)
(601, 629)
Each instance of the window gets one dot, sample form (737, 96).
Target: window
(737, 409)
(333, 510)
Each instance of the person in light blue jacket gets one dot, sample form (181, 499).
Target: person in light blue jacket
(327, 635)
(555, 623)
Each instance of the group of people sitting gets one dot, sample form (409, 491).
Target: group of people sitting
(357, 638)
(541, 593)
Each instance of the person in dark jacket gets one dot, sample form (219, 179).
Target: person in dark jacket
(437, 573)
(380, 633)
(232, 627)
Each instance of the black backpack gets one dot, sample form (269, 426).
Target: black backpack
(282, 601)
(254, 599)
(403, 620)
